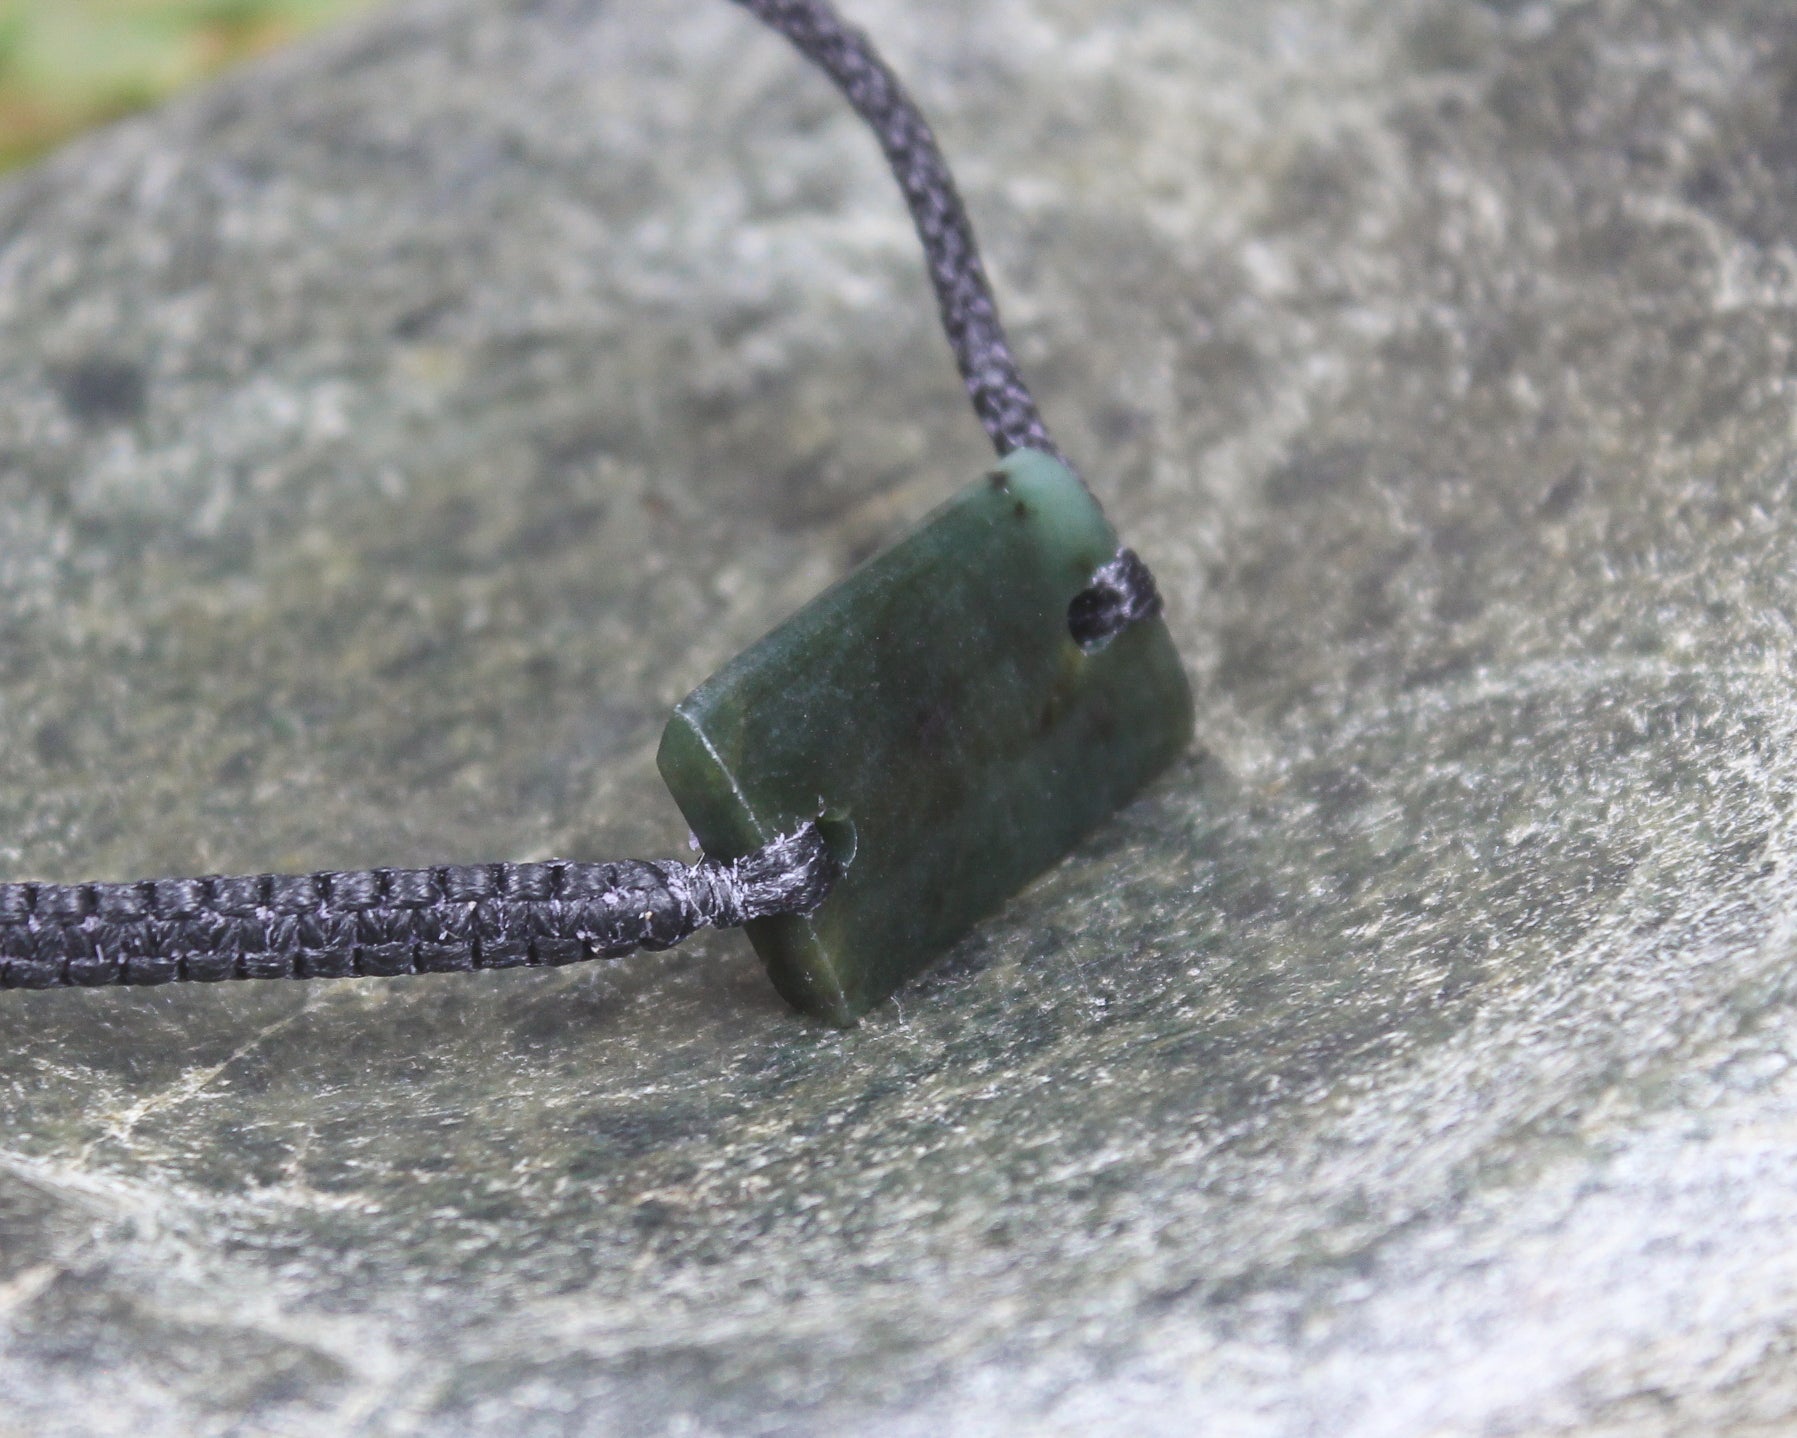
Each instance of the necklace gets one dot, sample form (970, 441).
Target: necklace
(866, 782)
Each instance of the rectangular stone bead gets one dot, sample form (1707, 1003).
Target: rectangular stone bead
(934, 708)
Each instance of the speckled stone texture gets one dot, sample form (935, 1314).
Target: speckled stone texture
(389, 436)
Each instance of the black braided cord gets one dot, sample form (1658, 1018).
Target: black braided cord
(455, 918)
(373, 922)
(964, 295)
(1123, 590)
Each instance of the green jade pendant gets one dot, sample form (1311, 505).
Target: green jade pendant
(934, 711)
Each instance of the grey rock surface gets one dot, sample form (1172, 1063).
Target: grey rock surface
(389, 435)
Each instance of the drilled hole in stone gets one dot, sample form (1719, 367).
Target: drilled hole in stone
(1088, 619)
(839, 836)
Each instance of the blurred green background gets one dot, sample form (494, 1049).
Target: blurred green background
(69, 64)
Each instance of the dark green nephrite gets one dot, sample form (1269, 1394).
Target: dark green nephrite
(935, 711)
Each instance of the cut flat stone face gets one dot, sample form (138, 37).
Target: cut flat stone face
(934, 709)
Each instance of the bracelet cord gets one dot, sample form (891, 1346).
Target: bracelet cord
(1122, 591)
(377, 922)
(455, 918)
(1001, 399)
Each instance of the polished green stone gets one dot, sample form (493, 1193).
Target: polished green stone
(933, 708)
